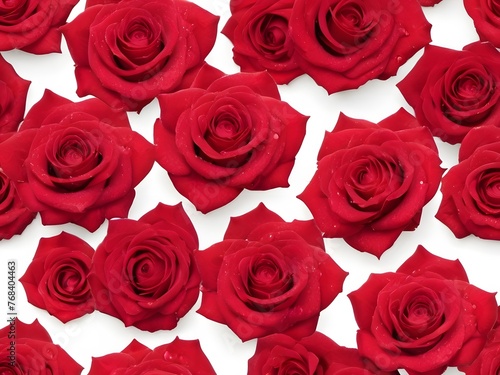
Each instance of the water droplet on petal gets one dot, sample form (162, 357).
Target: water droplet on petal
(276, 136)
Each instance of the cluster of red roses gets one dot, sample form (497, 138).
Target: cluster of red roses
(219, 134)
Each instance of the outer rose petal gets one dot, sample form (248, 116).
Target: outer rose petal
(13, 90)
(34, 347)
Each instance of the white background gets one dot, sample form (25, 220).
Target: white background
(98, 334)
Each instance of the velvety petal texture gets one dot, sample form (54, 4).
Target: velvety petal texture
(127, 53)
(454, 91)
(373, 180)
(180, 357)
(13, 92)
(268, 277)
(422, 318)
(227, 133)
(486, 17)
(33, 25)
(342, 44)
(56, 278)
(260, 33)
(14, 215)
(471, 189)
(76, 162)
(33, 351)
(312, 355)
(144, 273)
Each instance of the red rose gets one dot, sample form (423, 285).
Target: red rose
(33, 25)
(423, 317)
(312, 355)
(471, 203)
(14, 215)
(180, 357)
(373, 180)
(13, 91)
(144, 273)
(268, 276)
(488, 361)
(129, 52)
(486, 17)
(261, 38)
(76, 162)
(454, 91)
(342, 44)
(225, 134)
(28, 349)
(429, 3)
(56, 278)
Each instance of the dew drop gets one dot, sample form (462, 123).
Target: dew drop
(276, 136)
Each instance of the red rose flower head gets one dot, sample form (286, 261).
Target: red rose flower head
(14, 215)
(424, 317)
(144, 273)
(127, 53)
(261, 37)
(33, 351)
(268, 276)
(486, 17)
(56, 278)
(13, 92)
(455, 91)
(76, 162)
(312, 355)
(488, 360)
(33, 25)
(227, 133)
(373, 180)
(342, 44)
(182, 357)
(471, 199)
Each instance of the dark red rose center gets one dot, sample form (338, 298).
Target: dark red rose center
(494, 5)
(69, 281)
(271, 37)
(296, 361)
(345, 26)
(73, 154)
(488, 191)
(421, 314)
(14, 11)
(5, 188)
(267, 277)
(469, 87)
(372, 177)
(139, 41)
(147, 270)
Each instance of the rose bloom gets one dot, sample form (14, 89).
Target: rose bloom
(14, 215)
(33, 25)
(225, 134)
(488, 360)
(486, 17)
(342, 44)
(312, 355)
(180, 357)
(422, 318)
(76, 162)
(454, 91)
(261, 37)
(126, 53)
(33, 352)
(56, 278)
(13, 92)
(471, 199)
(144, 273)
(373, 180)
(268, 276)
